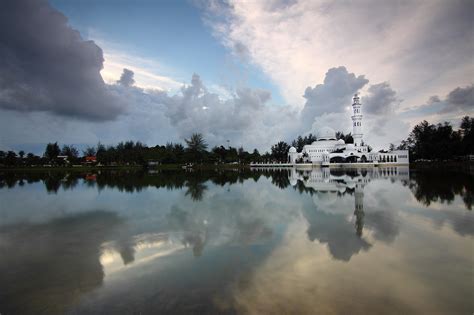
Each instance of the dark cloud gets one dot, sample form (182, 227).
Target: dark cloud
(333, 95)
(45, 65)
(434, 99)
(126, 79)
(381, 99)
(460, 99)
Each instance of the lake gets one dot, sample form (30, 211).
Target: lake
(284, 241)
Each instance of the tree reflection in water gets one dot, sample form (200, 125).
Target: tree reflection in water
(442, 185)
(55, 263)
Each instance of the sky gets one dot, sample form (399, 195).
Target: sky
(247, 73)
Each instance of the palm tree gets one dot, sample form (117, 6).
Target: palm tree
(196, 143)
(196, 147)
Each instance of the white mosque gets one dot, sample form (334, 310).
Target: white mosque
(327, 149)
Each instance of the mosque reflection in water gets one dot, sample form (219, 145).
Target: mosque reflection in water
(328, 183)
(225, 218)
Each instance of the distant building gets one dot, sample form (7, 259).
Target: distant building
(91, 159)
(151, 163)
(328, 149)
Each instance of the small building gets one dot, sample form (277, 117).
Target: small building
(152, 163)
(90, 160)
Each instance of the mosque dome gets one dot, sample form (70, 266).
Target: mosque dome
(293, 182)
(341, 141)
(292, 150)
(326, 133)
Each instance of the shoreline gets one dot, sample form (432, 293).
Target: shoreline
(125, 168)
(414, 165)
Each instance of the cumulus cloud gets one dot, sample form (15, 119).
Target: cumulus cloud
(332, 96)
(45, 65)
(126, 78)
(381, 99)
(245, 118)
(295, 42)
(47, 68)
(329, 104)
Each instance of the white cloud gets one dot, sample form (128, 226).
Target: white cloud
(149, 73)
(420, 47)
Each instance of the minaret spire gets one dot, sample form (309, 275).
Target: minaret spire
(357, 120)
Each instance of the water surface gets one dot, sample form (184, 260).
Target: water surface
(357, 241)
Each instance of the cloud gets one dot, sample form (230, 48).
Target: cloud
(426, 44)
(434, 99)
(457, 103)
(460, 99)
(380, 100)
(245, 118)
(126, 79)
(45, 65)
(333, 96)
(334, 230)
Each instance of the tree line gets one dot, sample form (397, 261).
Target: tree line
(136, 153)
(440, 141)
(426, 141)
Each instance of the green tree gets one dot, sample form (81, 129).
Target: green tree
(52, 151)
(89, 151)
(70, 151)
(280, 151)
(196, 143)
(32, 159)
(101, 152)
(467, 132)
(196, 147)
(11, 158)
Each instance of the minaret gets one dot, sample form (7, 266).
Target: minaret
(357, 121)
